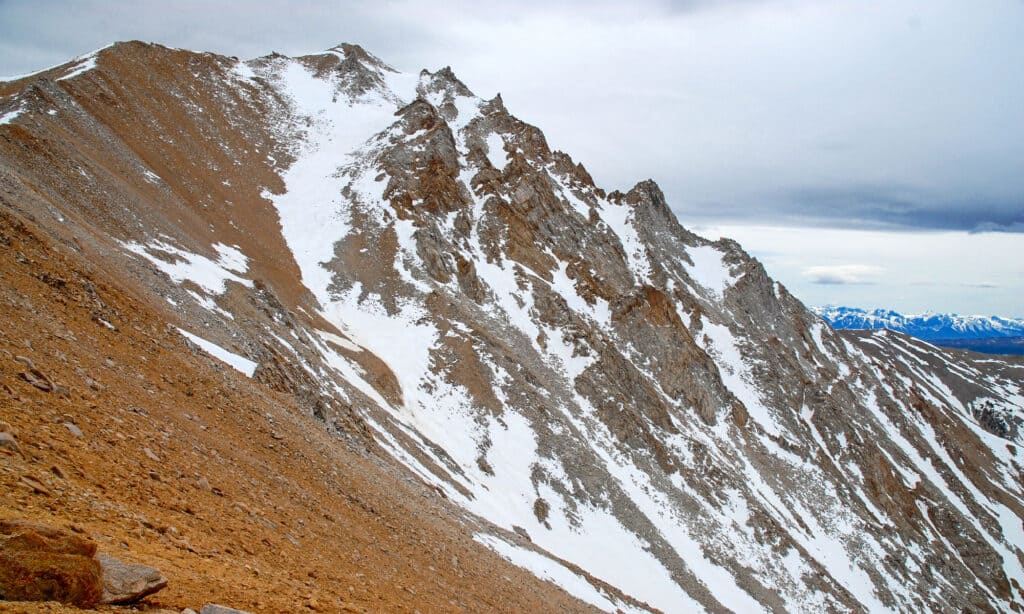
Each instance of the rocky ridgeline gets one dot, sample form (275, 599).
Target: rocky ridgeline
(644, 410)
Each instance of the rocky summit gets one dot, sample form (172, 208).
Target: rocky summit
(341, 338)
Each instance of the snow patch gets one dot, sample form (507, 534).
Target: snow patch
(210, 275)
(239, 363)
(554, 572)
(496, 151)
(619, 219)
(708, 270)
(11, 115)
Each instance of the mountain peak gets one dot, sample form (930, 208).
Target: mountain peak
(354, 53)
(409, 273)
(444, 83)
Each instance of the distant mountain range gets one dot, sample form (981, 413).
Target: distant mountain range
(991, 334)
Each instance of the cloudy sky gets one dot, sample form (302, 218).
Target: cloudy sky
(871, 153)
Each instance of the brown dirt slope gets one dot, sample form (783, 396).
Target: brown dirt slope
(222, 484)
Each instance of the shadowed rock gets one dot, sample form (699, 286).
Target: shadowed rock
(213, 608)
(128, 582)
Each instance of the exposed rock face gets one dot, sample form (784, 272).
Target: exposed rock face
(668, 425)
(41, 563)
(128, 582)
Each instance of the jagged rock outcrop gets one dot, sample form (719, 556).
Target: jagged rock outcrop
(668, 426)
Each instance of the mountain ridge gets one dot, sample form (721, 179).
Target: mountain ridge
(987, 334)
(928, 325)
(434, 285)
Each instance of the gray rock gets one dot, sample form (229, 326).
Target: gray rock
(128, 582)
(73, 428)
(212, 608)
(7, 440)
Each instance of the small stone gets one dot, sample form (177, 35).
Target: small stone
(73, 428)
(37, 487)
(213, 608)
(8, 441)
(34, 379)
(203, 483)
(189, 611)
(128, 582)
(153, 475)
(57, 471)
(152, 455)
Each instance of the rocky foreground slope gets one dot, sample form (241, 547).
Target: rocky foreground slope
(433, 313)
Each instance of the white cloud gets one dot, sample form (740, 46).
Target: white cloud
(915, 272)
(843, 274)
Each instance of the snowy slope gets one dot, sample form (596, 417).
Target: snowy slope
(625, 408)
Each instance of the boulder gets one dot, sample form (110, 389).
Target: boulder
(213, 608)
(42, 563)
(128, 582)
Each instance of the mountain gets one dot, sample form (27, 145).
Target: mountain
(980, 333)
(396, 312)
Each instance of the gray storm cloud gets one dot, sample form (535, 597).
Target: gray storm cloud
(843, 113)
(766, 116)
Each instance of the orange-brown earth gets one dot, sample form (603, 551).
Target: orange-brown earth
(185, 465)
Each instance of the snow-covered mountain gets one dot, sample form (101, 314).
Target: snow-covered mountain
(927, 326)
(981, 333)
(621, 406)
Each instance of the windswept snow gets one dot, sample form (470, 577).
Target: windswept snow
(708, 270)
(239, 363)
(181, 265)
(314, 213)
(719, 342)
(619, 219)
(496, 151)
(85, 65)
(553, 571)
(11, 115)
(80, 64)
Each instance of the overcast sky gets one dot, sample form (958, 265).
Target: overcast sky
(897, 124)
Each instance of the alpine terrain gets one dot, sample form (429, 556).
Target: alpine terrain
(314, 333)
(979, 333)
